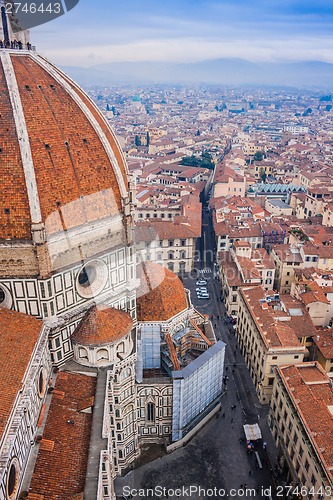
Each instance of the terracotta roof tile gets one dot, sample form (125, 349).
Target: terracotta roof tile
(274, 332)
(18, 335)
(75, 179)
(162, 294)
(309, 388)
(13, 194)
(102, 325)
(60, 473)
(324, 342)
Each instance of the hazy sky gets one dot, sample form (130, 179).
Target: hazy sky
(102, 31)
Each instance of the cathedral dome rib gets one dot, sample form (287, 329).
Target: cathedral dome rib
(162, 294)
(61, 164)
(102, 325)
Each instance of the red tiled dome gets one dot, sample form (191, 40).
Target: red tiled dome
(102, 325)
(57, 150)
(161, 294)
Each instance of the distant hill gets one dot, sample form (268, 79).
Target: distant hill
(223, 71)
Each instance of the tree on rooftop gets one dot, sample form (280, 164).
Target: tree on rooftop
(205, 161)
(137, 141)
(263, 175)
(191, 161)
(258, 156)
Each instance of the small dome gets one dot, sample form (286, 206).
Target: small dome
(102, 325)
(162, 294)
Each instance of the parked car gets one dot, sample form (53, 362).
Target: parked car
(201, 282)
(201, 289)
(203, 296)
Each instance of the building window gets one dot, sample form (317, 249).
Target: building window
(13, 479)
(5, 297)
(83, 353)
(150, 412)
(87, 276)
(183, 243)
(42, 382)
(170, 266)
(170, 255)
(171, 243)
(102, 354)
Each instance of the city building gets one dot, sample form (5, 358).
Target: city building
(272, 330)
(301, 422)
(243, 266)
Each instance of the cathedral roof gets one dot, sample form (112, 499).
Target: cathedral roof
(161, 294)
(102, 325)
(19, 334)
(60, 162)
(65, 445)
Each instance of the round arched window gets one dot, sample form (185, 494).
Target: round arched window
(13, 479)
(92, 278)
(5, 297)
(87, 276)
(41, 382)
